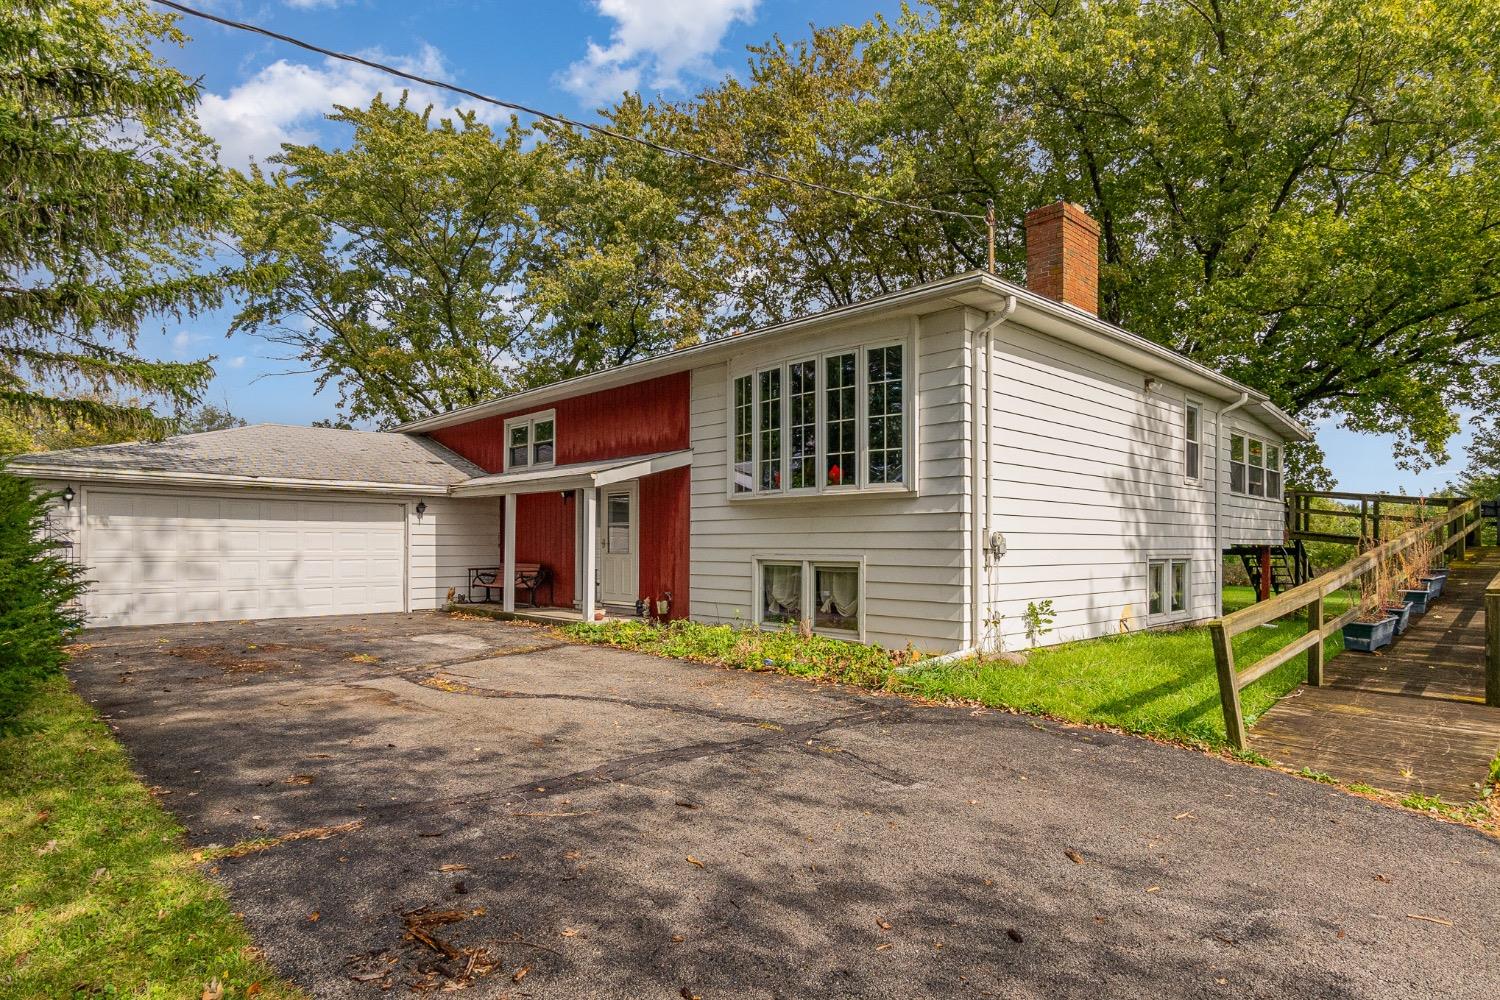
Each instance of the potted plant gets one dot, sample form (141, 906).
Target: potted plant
(1392, 599)
(1416, 569)
(1373, 627)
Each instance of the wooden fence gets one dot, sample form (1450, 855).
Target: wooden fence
(1492, 642)
(1373, 515)
(1457, 521)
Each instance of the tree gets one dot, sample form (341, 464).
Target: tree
(38, 594)
(1303, 195)
(206, 417)
(109, 195)
(1481, 477)
(390, 267)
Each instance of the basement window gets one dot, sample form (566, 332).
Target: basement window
(821, 594)
(1168, 584)
(531, 441)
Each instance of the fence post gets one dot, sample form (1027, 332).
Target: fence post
(1492, 648)
(1315, 652)
(1229, 691)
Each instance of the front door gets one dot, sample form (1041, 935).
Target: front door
(619, 544)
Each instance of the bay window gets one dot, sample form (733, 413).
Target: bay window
(821, 424)
(531, 441)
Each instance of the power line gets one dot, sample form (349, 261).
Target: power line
(560, 119)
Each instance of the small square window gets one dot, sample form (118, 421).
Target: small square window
(838, 598)
(781, 593)
(1168, 586)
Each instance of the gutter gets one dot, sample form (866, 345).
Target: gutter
(1221, 464)
(95, 475)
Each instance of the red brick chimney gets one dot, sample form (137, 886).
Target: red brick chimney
(1062, 255)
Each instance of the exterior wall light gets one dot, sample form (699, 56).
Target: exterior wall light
(421, 508)
(67, 496)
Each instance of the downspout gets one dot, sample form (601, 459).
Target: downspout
(1220, 452)
(981, 455)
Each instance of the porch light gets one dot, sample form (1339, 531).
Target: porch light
(67, 496)
(421, 508)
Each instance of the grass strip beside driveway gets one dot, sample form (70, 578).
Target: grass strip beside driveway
(102, 898)
(1161, 683)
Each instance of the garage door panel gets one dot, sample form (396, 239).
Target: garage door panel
(164, 558)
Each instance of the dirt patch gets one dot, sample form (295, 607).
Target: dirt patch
(247, 659)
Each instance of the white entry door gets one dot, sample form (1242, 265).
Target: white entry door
(619, 545)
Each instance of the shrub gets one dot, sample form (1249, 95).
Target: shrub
(36, 591)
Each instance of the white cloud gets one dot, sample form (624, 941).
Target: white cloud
(654, 40)
(312, 4)
(286, 101)
(238, 361)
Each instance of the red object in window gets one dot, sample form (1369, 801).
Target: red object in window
(835, 474)
(776, 479)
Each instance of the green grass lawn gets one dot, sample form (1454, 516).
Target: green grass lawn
(101, 899)
(1162, 683)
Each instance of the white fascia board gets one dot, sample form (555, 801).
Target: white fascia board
(140, 478)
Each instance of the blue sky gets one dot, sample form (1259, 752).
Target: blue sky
(562, 55)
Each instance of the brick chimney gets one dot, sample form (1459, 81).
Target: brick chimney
(1062, 255)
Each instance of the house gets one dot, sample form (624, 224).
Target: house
(917, 469)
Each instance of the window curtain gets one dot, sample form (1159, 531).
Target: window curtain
(783, 585)
(842, 591)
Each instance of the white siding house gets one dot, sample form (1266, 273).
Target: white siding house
(916, 469)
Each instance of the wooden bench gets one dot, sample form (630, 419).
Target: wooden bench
(531, 576)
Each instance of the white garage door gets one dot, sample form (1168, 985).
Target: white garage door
(157, 558)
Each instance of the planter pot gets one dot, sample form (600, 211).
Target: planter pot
(1418, 599)
(1366, 637)
(1435, 581)
(1402, 613)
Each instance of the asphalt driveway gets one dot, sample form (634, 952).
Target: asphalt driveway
(444, 803)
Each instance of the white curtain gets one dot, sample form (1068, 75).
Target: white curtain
(839, 589)
(783, 585)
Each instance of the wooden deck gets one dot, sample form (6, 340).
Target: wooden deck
(1410, 718)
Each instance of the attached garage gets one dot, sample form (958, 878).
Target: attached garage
(240, 524)
(159, 557)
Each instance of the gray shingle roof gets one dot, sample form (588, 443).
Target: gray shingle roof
(279, 451)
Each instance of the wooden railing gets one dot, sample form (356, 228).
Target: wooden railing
(1457, 521)
(1492, 642)
(1373, 515)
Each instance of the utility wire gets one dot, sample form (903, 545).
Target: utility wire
(561, 119)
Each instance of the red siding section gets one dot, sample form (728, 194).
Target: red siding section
(666, 537)
(641, 419)
(546, 528)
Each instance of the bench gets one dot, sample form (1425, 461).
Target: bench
(531, 576)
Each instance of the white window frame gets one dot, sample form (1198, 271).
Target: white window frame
(529, 421)
(861, 485)
(1191, 474)
(1167, 563)
(1267, 445)
(810, 565)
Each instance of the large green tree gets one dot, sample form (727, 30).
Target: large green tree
(390, 266)
(109, 198)
(1305, 194)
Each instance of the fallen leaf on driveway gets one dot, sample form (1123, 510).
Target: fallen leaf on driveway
(882, 924)
(520, 974)
(1074, 857)
(453, 868)
(313, 917)
(1430, 920)
(570, 932)
(299, 779)
(1014, 935)
(678, 939)
(1185, 815)
(1154, 888)
(694, 861)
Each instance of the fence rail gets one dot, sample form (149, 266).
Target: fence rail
(1372, 515)
(1492, 642)
(1457, 521)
